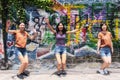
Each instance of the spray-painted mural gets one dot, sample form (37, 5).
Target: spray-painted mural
(85, 17)
(1, 42)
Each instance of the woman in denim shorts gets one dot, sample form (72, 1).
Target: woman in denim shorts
(105, 48)
(20, 46)
(60, 48)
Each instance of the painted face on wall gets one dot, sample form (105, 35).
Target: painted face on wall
(36, 20)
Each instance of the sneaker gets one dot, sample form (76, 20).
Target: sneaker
(20, 76)
(101, 72)
(106, 72)
(58, 73)
(64, 72)
(25, 74)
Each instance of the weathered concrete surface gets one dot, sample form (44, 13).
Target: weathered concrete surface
(73, 74)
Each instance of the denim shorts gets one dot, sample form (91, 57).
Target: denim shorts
(105, 51)
(20, 51)
(60, 50)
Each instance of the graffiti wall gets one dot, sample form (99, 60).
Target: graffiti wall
(85, 17)
(1, 42)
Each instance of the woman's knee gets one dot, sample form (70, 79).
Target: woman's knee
(107, 62)
(25, 62)
(59, 63)
(64, 62)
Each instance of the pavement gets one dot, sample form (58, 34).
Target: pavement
(72, 74)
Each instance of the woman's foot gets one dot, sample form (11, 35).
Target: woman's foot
(100, 72)
(106, 72)
(64, 72)
(25, 73)
(20, 76)
(58, 73)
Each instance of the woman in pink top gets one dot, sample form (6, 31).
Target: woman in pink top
(104, 48)
(20, 46)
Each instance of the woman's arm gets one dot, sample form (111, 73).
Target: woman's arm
(112, 50)
(49, 26)
(98, 45)
(73, 31)
(33, 36)
(8, 24)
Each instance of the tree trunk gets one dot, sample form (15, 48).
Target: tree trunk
(4, 17)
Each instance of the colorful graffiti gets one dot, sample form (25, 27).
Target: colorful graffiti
(84, 17)
(91, 16)
(1, 43)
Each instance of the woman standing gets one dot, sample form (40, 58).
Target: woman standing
(60, 49)
(104, 48)
(20, 46)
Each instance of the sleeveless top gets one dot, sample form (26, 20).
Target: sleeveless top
(60, 39)
(21, 39)
(105, 39)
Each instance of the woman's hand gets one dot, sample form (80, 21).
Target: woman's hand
(46, 20)
(35, 32)
(49, 26)
(8, 23)
(112, 50)
(98, 52)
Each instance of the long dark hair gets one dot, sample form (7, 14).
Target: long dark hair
(64, 29)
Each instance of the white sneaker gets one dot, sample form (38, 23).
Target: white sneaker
(106, 72)
(101, 72)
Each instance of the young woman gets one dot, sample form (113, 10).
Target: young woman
(104, 48)
(20, 46)
(60, 49)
